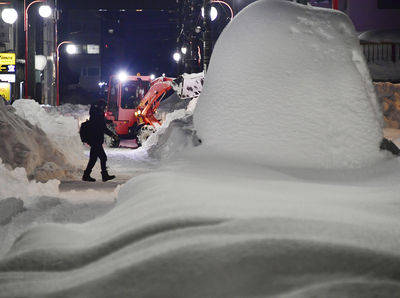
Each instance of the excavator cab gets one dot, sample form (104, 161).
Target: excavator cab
(124, 96)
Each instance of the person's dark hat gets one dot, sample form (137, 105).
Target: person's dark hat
(101, 103)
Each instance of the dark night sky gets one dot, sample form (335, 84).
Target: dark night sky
(146, 40)
(118, 4)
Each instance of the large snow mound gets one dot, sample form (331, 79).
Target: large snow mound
(217, 228)
(60, 126)
(23, 145)
(293, 91)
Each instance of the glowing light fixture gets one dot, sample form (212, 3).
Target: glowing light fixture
(152, 77)
(9, 15)
(177, 56)
(184, 50)
(213, 13)
(45, 11)
(122, 76)
(72, 49)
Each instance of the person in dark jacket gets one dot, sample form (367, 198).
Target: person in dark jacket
(99, 128)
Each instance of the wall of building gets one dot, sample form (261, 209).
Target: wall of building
(85, 29)
(366, 15)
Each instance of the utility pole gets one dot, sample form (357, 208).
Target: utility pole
(31, 50)
(207, 42)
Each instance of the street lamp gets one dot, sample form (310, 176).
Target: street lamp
(226, 4)
(9, 15)
(177, 56)
(72, 49)
(184, 50)
(213, 13)
(44, 12)
(58, 68)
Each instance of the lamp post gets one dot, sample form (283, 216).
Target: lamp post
(226, 4)
(26, 29)
(58, 68)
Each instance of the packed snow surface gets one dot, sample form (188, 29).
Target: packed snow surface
(294, 90)
(215, 223)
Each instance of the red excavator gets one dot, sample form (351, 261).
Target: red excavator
(133, 102)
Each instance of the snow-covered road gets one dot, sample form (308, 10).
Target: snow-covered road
(125, 163)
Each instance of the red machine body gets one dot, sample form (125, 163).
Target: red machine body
(123, 100)
(160, 89)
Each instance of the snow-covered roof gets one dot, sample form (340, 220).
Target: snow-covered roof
(381, 36)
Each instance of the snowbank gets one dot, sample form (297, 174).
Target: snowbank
(175, 134)
(15, 183)
(217, 228)
(221, 226)
(294, 90)
(25, 145)
(61, 130)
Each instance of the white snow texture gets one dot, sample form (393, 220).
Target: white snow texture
(220, 222)
(288, 85)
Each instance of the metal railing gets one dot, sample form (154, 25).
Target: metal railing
(381, 52)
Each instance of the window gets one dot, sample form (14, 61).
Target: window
(93, 49)
(129, 99)
(112, 104)
(132, 93)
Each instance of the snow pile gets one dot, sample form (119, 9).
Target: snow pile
(78, 112)
(25, 145)
(389, 97)
(317, 109)
(9, 208)
(176, 132)
(189, 85)
(173, 136)
(15, 183)
(62, 130)
(217, 228)
(221, 226)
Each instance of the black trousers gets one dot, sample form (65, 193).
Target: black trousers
(97, 151)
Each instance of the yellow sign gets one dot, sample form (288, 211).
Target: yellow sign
(5, 91)
(7, 58)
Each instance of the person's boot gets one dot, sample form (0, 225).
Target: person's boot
(86, 177)
(105, 176)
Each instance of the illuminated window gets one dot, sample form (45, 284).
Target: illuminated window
(93, 49)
